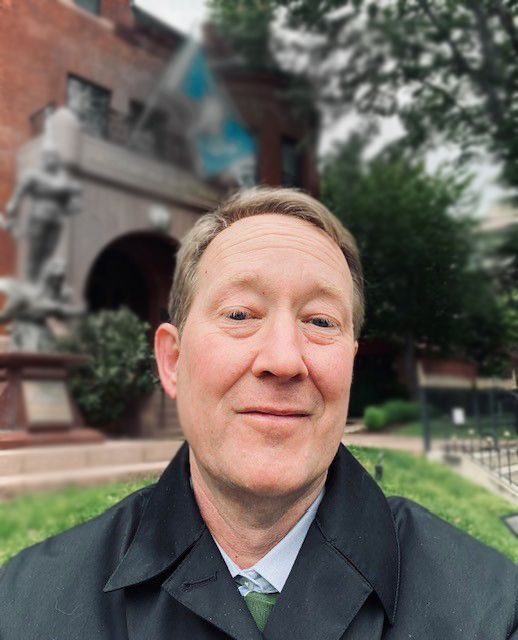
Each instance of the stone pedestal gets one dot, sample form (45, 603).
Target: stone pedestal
(36, 406)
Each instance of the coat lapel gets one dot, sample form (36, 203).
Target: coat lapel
(322, 596)
(355, 518)
(351, 551)
(203, 584)
(196, 600)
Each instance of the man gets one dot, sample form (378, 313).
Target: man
(264, 525)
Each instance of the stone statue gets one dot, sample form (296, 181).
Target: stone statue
(40, 298)
(35, 405)
(32, 307)
(54, 197)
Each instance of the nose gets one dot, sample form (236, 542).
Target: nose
(280, 351)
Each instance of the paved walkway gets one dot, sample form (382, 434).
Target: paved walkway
(358, 435)
(385, 441)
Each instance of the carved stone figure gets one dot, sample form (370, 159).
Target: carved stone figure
(32, 306)
(35, 300)
(54, 197)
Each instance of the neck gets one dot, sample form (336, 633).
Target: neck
(247, 526)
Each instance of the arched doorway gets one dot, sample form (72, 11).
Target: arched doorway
(135, 271)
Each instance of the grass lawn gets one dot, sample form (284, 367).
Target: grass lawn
(26, 520)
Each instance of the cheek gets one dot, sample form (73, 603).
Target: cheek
(210, 364)
(332, 373)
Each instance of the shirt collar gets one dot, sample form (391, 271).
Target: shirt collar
(276, 565)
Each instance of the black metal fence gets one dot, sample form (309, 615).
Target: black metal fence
(477, 417)
(478, 407)
(499, 455)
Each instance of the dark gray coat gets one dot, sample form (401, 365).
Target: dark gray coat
(370, 568)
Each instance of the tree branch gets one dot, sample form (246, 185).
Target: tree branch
(488, 78)
(446, 94)
(462, 65)
(507, 22)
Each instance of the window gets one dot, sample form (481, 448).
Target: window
(94, 6)
(90, 103)
(291, 163)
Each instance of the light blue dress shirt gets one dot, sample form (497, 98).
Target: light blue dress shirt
(269, 574)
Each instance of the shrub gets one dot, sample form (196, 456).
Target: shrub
(375, 418)
(120, 368)
(391, 412)
(401, 411)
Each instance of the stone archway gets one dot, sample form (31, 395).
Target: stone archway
(136, 271)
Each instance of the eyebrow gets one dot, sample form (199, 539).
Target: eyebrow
(254, 281)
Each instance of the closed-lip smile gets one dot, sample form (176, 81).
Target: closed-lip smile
(275, 411)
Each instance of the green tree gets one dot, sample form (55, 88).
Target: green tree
(445, 67)
(504, 259)
(415, 252)
(484, 329)
(247, 26)
(504, 270)
(510, 319)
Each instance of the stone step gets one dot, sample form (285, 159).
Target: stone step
(20, 484)
(72, 458)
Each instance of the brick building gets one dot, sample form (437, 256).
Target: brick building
(104, 59)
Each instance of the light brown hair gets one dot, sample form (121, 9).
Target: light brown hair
(257, 201)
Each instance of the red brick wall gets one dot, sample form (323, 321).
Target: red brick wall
(41, 42)
(117, 10)
(258, 96)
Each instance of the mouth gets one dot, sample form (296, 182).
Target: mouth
(275, 422)
(274, 412)
(274, 419)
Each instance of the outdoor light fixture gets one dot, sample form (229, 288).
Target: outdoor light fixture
(512, 522)
(378, 469)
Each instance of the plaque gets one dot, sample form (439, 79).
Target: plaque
(47, 402)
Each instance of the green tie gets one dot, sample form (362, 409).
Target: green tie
(260, 606)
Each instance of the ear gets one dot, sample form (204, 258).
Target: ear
(355, 348)
(167, 352)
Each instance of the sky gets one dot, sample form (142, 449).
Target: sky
(184, 15)
(188, 15)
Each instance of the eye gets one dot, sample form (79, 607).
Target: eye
(323, 323)
(238, 314)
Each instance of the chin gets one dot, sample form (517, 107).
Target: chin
(271, 482)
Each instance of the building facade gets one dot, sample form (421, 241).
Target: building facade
(104, 59)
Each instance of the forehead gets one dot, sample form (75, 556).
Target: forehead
(276, 247)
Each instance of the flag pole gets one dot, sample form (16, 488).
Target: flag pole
(170, 78)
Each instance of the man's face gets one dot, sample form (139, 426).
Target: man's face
(263, 369)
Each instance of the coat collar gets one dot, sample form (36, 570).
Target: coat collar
(354, 518)
(170, 525)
